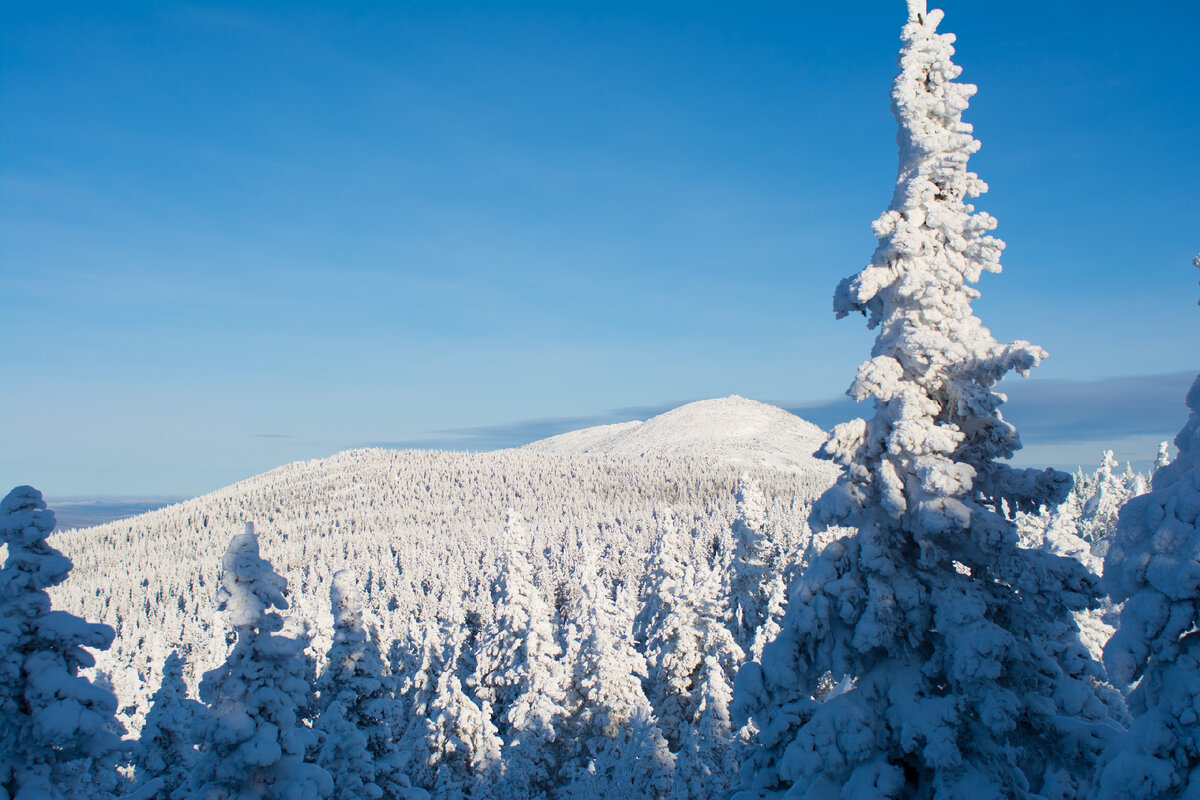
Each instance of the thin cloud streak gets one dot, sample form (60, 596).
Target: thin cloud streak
(1060, 421)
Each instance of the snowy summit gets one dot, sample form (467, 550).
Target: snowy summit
(731, 429)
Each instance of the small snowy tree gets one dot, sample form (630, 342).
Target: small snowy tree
(750, 579)
(166, 751)
(253, 740)
(1153, 566)
(687, 629)
(463, 742)
(1107, 492)
(617, 742)
(928, 656)
(358, 711)
(56, 727)
(1162, 458)
(519, 671)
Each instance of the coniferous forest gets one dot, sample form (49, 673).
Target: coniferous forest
(722, 602)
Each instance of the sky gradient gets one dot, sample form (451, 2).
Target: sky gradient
(236, 236)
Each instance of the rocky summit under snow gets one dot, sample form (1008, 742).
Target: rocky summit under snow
(731, 429)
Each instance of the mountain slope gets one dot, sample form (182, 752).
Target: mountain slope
(425, 532)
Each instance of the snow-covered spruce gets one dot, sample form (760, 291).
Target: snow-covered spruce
(617, 749)
(520, 672)
(56, 727)
(166, 751)
(691, 658)
(1153, 566)
(253, 740)
(960, 655)
(358, 712)
(749, 582)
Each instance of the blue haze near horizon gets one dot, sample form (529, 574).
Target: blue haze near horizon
(237, 236)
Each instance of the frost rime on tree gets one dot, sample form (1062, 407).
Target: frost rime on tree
(619, 750)
(253, 740)
(750, 579)
(691, 656)
(55, 725)
(519, 671)
(358, 709)
(1153, 566)
(167, 753)
(960, 654)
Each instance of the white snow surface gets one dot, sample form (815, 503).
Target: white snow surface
(732, 429)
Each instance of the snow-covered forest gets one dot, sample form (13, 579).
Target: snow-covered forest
(721, 602)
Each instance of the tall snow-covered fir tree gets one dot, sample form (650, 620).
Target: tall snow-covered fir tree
(1153, 567)
(928, 656)
(253, 740)
(56, 726)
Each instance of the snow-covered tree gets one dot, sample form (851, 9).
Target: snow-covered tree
(1107, 492)
(463, 742)
(617, 742)
(56, 726)
(927, 655)
(1153, 567)
(750, 570)
(358, 710)
(684, 637)
(253, 740)
(1162, 458)
(166, 751)
(520, 672)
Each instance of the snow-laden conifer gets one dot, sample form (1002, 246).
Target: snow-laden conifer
(684, 637)
(56, 726)
(464, 746)
(253, 739)
(166, 749)
(1107, 492)
(615, 737)
(750, 573)
(519, 670)
(1162, 458)
(358, 711)
(1153, 566)
(928, 656)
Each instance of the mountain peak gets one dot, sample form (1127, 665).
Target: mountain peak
(733, 429)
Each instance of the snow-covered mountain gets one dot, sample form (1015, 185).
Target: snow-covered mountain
(731, 429)
(426, 534)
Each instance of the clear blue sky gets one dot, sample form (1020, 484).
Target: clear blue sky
(235, 236)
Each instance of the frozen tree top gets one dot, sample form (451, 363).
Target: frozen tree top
(249, 586)
(938, 435)
(26, 524)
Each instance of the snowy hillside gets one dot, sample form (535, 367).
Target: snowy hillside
(429, 534)
(734, 430)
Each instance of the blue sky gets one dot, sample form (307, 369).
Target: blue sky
(235, 236)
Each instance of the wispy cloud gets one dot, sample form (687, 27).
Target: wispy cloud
(1061, 422)
(1052, 412)
(515, 434)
